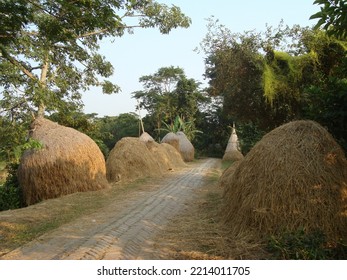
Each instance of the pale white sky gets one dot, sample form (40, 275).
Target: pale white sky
(145, 51)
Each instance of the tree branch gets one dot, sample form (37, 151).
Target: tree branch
(17, 63)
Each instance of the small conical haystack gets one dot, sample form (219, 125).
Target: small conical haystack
(232, 151)
(68, 162)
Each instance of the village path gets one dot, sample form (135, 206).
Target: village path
(121, 234)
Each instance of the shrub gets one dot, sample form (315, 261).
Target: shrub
(10, 192)
(302, 245)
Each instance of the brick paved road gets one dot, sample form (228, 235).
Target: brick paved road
(126, 234)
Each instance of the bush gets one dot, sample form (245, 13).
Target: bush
(10, 192)
(302, 245)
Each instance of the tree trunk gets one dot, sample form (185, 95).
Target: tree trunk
(43, 85)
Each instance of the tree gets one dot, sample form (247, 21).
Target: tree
(332, 17)
(278, 76)
(235, 66)
(169, 95)
(49, 49)
(49, 53)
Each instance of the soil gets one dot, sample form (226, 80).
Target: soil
(172, 217)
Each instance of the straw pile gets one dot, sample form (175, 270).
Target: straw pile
(145, 137)
(232, 151)
(172, 139)
(132, 158)
(186, 148)
(295, 177)
(228, 173)
(68, 162)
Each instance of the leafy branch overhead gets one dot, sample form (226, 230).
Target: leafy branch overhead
(49, 49)
(332, 17)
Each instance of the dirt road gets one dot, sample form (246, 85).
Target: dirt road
(122, 231)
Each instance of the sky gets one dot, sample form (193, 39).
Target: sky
(147, 50)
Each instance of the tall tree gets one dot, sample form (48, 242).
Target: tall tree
(49, 48)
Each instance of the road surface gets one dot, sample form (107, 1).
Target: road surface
(125, 234)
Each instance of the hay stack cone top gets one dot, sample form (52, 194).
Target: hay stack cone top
(68, 162)
(294, 178)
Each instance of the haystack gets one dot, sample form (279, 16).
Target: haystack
(227, 174)
(295, 177)
(145, 137)
(232, 151)
(166, 156)
(68, 162)
(186, 148)
(172, 139)
(132, 158)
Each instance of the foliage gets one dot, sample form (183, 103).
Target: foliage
(10, 192)
(327, 104)
(112, 129)
(249, 134)
(180, 125)
(302, 245)
(168, 93)
(235, 66)
(332, 17)
(277, 76)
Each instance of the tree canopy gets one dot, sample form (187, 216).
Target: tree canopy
(285, 73)
(49, 49)
(168, 94)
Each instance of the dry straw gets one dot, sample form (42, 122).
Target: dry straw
(172, 139)
(295, 177)
(68, 162)
(232, 151)
(132, 158)
(186, 148)
(145, 137)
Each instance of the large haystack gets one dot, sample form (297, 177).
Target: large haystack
(68, 162)
(295, 177)
(232, 151)
(172, 139)
(186, 148)
(132, 158)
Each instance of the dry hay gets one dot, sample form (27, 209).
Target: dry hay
(145, 137)
(186, 148)
(228, 173)
(295, 177)
(172, 139)
(131, 159)
(232, 155)
(232, 151)
(68, 162)
(166, 155)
